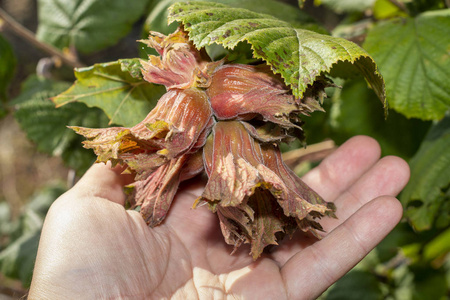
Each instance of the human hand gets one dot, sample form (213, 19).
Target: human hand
(92, 248)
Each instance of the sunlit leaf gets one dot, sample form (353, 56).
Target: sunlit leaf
(299, 55)
(439, 246)
(125, 98)
(413, 56)
(385, 9)
(341, 6)
(157, 21)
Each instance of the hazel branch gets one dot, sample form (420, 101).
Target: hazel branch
(400, 5)
(313, 152)
(29, 36)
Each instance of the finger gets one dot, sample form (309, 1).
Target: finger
(386, 178)
(313, 270)
(343, 167)
(103, 181)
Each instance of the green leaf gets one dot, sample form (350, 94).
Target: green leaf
(125, 99)
(301, 3)
(354, 112)
(132, 66)
(429, 283)
(157, 19)
(416, 7)
(413, 56)
(385, 9)
(17, 259)
(425, 193)
(400, 236)
(87, 25)
(7, 66)
(438, 247)
(45, 125)
(342, 6)
(356, 285)
(299, 55)
(5, 222)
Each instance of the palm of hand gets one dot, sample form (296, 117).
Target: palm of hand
(91, 247)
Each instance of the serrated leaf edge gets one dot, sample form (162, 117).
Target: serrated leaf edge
(298, 93)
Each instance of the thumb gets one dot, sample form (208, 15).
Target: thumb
(101, 180)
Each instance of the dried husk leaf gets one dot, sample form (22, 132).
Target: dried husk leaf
(162, 150)
(256, 197)
(155, 190)
(298, 200)
(180, 121)
(232, 161)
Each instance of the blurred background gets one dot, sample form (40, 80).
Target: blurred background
(41, 42)
(24, 171)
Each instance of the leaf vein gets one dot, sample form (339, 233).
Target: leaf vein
(117, 79)
(120, 105)
(401, 64)
(80, 96)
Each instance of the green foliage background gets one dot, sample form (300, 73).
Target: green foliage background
(408, 40)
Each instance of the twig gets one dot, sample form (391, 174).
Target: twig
(30, 37)
(400, 5)
(315, 152)
(7, 292)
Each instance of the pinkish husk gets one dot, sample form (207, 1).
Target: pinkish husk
(179, 65)
(244, 92)
(161, 150)
(256, 197)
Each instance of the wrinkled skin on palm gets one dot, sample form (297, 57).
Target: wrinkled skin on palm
(225, 120)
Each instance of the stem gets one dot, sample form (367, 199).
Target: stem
(400, 6)
(315, 152)
(26, 34)
(13, 293)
